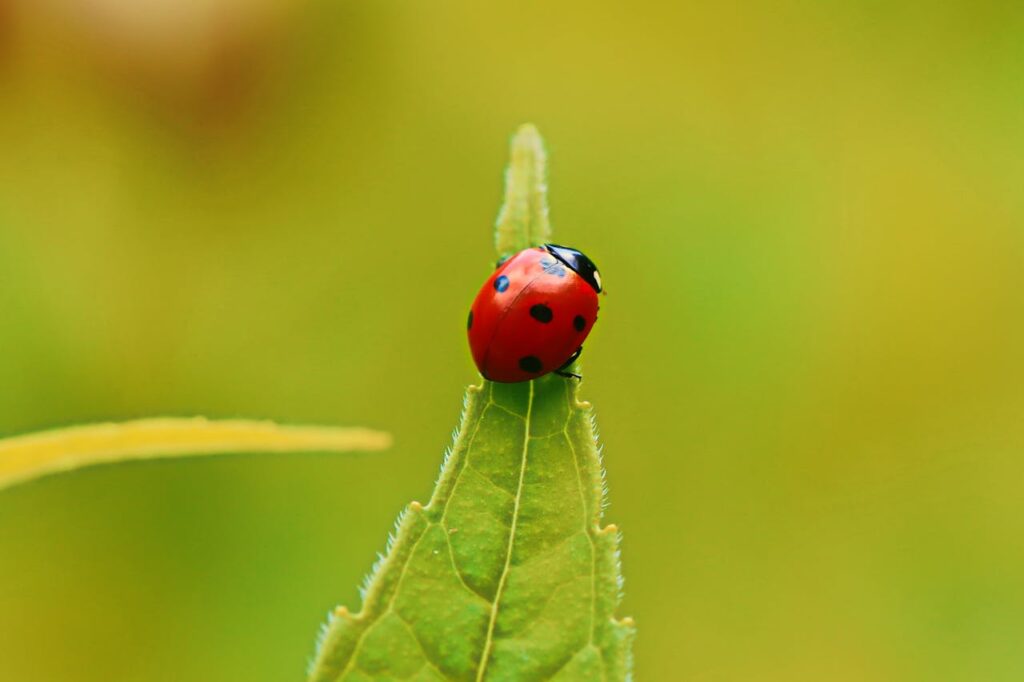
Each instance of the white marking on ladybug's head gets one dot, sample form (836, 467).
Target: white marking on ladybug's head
(597, 278)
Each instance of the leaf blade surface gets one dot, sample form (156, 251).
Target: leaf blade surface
(506, 574)
(492, 584)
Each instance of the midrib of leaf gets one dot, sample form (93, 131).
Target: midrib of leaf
(521, 592)
(346, 652)
(489, 642)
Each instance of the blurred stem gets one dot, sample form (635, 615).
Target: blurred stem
(523, 219)
(24, 458)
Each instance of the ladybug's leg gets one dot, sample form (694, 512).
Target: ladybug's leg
(568, 363)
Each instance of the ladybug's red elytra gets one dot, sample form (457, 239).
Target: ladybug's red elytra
(532, 315)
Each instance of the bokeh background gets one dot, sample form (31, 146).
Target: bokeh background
(808, 372)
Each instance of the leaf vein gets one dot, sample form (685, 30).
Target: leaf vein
(544, 606)
(455, 566)
(426, 656)
(587, 530)
(543, 553)
(572, 656)
(463, 460)
(489, 642)
(388, 609)
(508, 411)
(489, 479)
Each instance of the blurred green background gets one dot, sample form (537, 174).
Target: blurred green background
(808, 372)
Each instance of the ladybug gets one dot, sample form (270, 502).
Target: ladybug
(532, 315)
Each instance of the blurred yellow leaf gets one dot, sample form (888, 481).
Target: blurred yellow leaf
(30, 456)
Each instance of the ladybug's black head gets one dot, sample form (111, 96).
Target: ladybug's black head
(580, 264)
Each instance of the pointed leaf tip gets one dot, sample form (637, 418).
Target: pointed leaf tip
(523, 218)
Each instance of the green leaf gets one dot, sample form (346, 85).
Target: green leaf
(523, 219)
(27, 457)
(506, 574)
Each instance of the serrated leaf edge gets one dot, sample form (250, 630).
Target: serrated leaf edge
(374, 587)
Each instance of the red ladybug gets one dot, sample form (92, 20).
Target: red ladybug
(532, 315)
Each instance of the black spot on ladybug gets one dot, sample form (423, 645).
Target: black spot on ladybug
(530, 363)
(501, 283)
(469, 324)
(541, 313)
(578, 322)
